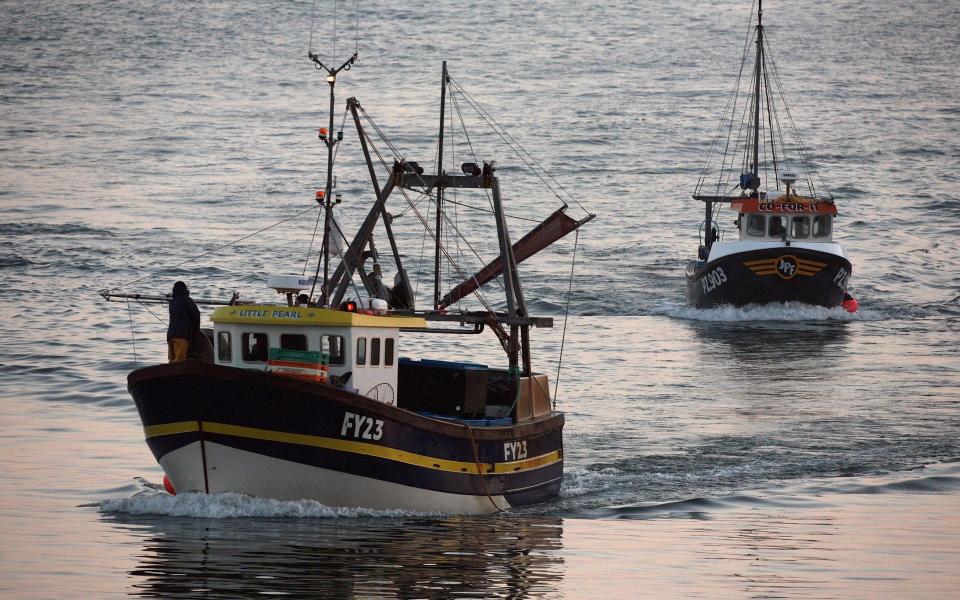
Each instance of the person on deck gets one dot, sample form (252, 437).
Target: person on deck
(380, 290)
(184, 323)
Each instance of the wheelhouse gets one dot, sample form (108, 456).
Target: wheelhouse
(777, 218)
(359, 349)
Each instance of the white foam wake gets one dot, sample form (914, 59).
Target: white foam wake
(580, 481)
(229, 505)
(789, 311)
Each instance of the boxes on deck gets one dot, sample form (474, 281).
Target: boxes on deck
(306, 365)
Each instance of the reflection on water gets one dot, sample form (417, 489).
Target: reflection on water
(421, 558)
(870, 538)
(800, 339)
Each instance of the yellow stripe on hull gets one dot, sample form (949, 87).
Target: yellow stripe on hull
(410, 458)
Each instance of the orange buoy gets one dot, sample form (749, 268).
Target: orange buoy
(168, 486)
(850, 303)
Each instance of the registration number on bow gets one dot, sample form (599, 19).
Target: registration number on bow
(359, 426)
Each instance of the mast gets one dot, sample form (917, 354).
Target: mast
(757, 97)
(436, 261)
(331, 142)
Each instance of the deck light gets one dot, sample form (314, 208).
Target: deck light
(322, 134)
(348, 306)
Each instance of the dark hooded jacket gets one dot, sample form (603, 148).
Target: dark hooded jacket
(184, 314)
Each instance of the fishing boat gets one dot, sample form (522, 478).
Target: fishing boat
(783, 247)
(316, 396)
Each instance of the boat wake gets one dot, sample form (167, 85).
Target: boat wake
(789, 311)
(152, 499)
(580, 481)
(934, 478)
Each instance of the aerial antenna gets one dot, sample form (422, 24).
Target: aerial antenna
(326, 134)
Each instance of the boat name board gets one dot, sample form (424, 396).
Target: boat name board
(311, 316)
(752, 205)
(270, 314)
(791, 207)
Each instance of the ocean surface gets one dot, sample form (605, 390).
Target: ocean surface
(786, 451)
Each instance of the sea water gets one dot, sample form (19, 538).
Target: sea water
(785, 451)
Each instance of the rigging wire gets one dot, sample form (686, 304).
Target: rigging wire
(566, 314)
(518, 149)
(456, 213)
(423, 245)
(801, 151)
(218, 248)
(773, 126)
(423, 196)
(313, 20)
(466, 135)
(771, 111)
(419, 215)
(730, 109)
(412, 206)
(487, 210)
(152, 313)
(133, 338)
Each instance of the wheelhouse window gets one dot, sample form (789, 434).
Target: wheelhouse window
(224, 351)
(254, 346)
(388, 346)
(756, 225)
(800, 227)
(821, 226)
(374, 351)
(293, 341)
(776, 226)
(361, 351)
(332, 345)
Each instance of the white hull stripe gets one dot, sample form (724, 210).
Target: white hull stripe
(234, 470)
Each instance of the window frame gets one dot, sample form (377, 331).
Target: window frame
(827, 220)
(285, 336)
(799, 219)
(221, 336)
(360, 359)
(335, 359)
(770, 222)
(389, 350)
(762, 232)
(245, 348)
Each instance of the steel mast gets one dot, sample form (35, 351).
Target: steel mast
(327, 201)
(757, 98)
(436, 261)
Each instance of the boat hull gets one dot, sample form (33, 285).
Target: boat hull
(221, 429)
(769, 275)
